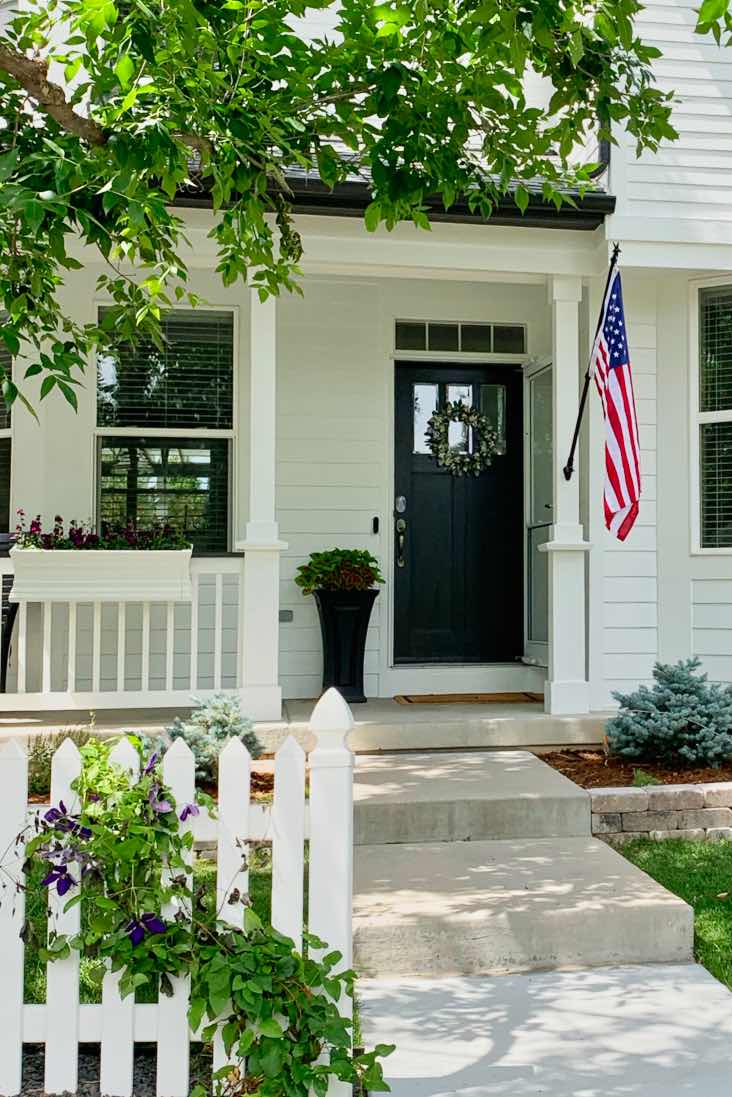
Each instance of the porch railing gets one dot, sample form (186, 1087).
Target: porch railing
(81, 654)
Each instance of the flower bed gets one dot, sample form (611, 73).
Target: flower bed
(596, 769)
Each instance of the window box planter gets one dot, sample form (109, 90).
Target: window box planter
(101, 575)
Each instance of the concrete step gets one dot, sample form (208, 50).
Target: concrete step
(614, 1032)
(451, 796)
(466, 908)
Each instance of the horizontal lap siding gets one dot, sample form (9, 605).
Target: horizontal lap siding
(687, 180)
(630, 589)
(712, 626)
(331, 455)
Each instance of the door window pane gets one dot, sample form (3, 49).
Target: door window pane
(183, 481)
(458, 434)
(538, 585)
(443, 337)
(493, 405)
(425, 398)
(509, 339)
(540, 414)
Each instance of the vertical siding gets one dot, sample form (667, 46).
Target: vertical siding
(630, 611)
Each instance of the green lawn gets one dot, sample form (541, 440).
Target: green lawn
(700, 873)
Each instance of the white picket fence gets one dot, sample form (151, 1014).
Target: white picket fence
(326, 820)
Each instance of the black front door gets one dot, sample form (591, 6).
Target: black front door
(458, 539)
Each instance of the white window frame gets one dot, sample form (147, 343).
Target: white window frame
(182, 432)
(536, 652)
(698, 418)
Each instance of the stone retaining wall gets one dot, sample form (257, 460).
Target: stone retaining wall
(696, 812)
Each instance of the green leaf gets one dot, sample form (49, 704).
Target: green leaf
(46, 385)
(124, 70)
(271, 1028)
(712, 10)
(372, 216)
(521, 197)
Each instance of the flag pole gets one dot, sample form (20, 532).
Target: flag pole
(569, 467)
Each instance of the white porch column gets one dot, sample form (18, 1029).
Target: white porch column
(261, 691)
(566, 689)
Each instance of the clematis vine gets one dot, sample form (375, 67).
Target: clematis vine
(60, 819)
(150, 764)
(189, 811)
(146, 923)
(61, 878)
(159, 806)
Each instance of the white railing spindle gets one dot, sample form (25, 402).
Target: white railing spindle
(145, 679)
(194, 632)
(118, 1014)
(97, 647)
(14, 778)
(62, 976)
(218, 626)
(71, 650)
(288, 840)
(22, 645)
(169, 645)
(46, 656)
(121, 644)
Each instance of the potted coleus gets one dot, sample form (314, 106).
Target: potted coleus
(120, 563)
(343, 584)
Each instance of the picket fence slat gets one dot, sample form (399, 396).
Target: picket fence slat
(62, 976)
(116, 1024)
(14, 775)
(118, 1014)
(173, 1046)
(232, 848)
(288, 840)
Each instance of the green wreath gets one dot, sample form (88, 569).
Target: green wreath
(458, 462)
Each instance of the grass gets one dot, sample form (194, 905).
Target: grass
(700, 873)
(91, 971)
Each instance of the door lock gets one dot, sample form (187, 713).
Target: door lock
(401, 536)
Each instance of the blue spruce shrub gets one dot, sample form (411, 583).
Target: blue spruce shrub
(682, 720)
(207, 729)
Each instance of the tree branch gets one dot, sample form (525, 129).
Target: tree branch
(32, 74)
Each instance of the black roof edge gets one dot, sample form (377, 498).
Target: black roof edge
(311, 196)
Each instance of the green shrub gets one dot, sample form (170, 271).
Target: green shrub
(682, 720)
(206, 730)
(41, 749)
(339, 569)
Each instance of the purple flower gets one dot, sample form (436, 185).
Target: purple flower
(62, 821)
(146, 923)
(161, 807)
(151, 764)
(188, 811)
(59, 875)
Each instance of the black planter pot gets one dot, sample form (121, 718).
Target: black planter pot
(344, 621)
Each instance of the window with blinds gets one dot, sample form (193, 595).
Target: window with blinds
(715, 408)
(184, 481)
(186, 387)
(6, 362)
(188, 384)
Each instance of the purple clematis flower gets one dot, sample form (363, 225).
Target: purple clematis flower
(146, 923)
(150, 764)
(161, 807)
(62, 821)
(59, 875)
(188, 811)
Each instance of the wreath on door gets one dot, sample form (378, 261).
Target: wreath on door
(459, 462)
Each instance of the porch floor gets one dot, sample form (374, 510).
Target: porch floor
(381, 724)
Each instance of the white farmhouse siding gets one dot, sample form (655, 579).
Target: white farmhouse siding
(682, 193)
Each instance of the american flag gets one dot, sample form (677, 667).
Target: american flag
(611, 369)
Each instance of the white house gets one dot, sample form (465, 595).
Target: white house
(298, 424)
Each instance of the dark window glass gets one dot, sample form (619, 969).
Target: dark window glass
(180, 480)
(4, 485)
(425, 399)
(6, 363)
(716, 485)
(715, 349)
(443, 337)
(411, 336)
(509, 339)
(475, 337)
(188, 384)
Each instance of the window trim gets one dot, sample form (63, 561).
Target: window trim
(184, 432)
(698, 418)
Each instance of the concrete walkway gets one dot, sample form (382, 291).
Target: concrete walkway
(661, 1031)
(475, 871)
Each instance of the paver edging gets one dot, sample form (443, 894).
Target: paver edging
(702, 812)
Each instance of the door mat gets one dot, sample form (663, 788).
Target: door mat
(468, 698)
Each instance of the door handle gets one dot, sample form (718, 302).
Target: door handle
(401, 537)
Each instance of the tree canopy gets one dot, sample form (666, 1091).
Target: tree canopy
(113, 108)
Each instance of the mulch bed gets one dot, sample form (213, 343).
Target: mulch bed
(595, 769)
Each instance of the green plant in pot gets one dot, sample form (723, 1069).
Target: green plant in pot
(343, 583)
